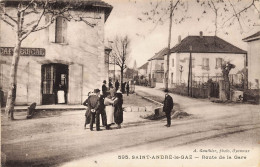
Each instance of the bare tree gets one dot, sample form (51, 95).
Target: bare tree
(226, 14)
(121, 53)
(25, 17)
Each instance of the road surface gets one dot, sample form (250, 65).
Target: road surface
(213, 130)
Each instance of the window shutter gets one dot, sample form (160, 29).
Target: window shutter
(64, 30)
(52, 31)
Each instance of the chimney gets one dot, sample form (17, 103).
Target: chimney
(179, 39)
(201, 34)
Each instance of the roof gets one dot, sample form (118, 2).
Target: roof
(206, 44)
(252, 37)
(144, 66)
(78, 4)
(159, 55)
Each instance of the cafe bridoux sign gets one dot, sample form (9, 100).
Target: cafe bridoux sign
(8, 51)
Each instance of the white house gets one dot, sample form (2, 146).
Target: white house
(155, 69)
(142, 70)
(253, 60)
(207, 55)
(66, 57)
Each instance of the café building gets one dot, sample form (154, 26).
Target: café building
(59, 64)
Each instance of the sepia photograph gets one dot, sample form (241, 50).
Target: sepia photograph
(134, 83)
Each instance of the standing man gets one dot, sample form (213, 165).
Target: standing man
(101, 110)
(117, 85)
(93, 105)
(104, 88)
(110, 85)
(167, 107)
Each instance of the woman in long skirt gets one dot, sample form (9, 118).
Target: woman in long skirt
(109, 110)
(118, 109)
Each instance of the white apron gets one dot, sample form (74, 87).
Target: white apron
(110, 114)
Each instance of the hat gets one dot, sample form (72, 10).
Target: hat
(104, 81)
(166, 90)
(96, 90)
(118, 91)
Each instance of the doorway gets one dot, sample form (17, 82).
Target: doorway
(54, 83)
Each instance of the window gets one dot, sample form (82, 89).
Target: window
(57, 30)
(205, 63)
(172, 62)
(60, 30)
(218, 62)
(162, 66)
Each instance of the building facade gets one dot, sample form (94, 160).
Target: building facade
(205, 54)
(59, 64)
(253, 60)
(155, 68)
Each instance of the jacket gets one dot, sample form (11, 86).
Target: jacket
(93, 102)
(168, 104)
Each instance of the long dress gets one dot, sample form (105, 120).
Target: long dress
(109, 110)
(118, 109)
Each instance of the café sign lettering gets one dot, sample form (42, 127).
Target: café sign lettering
(8, 51)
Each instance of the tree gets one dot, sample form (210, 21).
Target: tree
(121, 53)
(226, 68)
(26, 17)
(226, 14)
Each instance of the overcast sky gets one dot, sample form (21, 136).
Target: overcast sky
(147, 40)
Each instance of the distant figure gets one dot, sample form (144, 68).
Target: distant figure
(110, 85)
(118, 109)
(93, 105)
(127, 88)
(123, 87)
(104, 88)
(117, 85)
(31, 111)
(167, 107)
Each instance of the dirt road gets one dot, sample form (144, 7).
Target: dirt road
(193, 141)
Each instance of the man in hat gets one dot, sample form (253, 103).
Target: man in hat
(167, 107)
(93, 105)
(104, 88)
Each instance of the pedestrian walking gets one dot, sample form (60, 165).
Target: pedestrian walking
(127, 88)
(93, 105)
(167, 107)
(116, 85)
(118, 109)
(104, 88)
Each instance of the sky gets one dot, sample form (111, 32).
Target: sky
(148, 39)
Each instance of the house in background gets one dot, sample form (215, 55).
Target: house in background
(253, 42)
(208, 54)
(155, 69)
(142, 71)
(61, 63)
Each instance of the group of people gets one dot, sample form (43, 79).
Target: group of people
(108, 105)
(124, 87)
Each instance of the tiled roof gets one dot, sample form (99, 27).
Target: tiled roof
(144, 66)
(206, 44)
(252, 37)
(79, 4)
(159, 55)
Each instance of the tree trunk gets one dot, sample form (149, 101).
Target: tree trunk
(169, 50)
(9, 110)
(122, 76)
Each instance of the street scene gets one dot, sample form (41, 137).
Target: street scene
(130, 83)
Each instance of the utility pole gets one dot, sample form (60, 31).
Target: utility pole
(169, 49)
